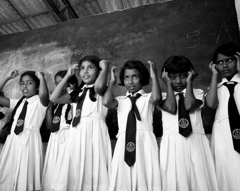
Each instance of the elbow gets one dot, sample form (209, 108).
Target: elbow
(212, 105)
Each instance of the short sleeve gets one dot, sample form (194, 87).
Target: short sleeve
(13, 103)
(199, 95)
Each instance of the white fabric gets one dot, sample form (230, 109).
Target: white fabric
(227, 160)
(144, 175)
(186, 164)
(7, 112)
(21, 158)
(55, 151)
(86, 165)
(237, 6)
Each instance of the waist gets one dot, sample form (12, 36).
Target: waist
(94, 115)
(176, 131)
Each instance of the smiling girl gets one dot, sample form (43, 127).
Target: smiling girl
(21, 160)
(87, 162)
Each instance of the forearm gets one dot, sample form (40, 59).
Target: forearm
(108, 100)
(169, 104)
(156, 96)
(57, 92)
(43, 92)
(190, 101)
(49, 116)
(3, 82)
(101, 82)
(211, 97)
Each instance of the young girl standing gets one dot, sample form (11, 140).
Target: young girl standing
(58, 120)
(186, 161)
(135, 164)
(87, 164)
(226, 129)
(21, 158)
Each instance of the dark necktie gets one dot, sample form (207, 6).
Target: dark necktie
(57, 118)
(184, 122)
(130, 139)
(77, 116)
(234, 117)
(20, 122)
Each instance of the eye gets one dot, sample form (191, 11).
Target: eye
(126, 78)
(184, 76)
(229, 60)
(135, 77)
(81, 68)
(220, 62)
(172, 77)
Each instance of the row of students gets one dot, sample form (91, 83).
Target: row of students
(79, 152)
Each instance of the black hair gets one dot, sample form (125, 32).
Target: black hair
(73, 80)
(177, 64)
(32, 74)
(228, 49)
(138, 65)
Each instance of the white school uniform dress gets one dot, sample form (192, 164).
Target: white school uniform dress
(87, 161)
(7, 115)
(227, 160)
(56, 150)
(144, 175)
(186, 164)
(21, 158)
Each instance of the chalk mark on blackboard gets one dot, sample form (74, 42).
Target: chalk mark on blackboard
(220, 31)
(197, 38)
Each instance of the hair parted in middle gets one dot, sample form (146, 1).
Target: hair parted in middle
(32, 74)
(177, 64)
(138, 65)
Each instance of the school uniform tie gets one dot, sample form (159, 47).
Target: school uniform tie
(130, 139)
(20, 122)
(77, 116)
(234, 117)
(57, 118)
(185, 127)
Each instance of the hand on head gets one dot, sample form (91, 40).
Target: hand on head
(237, 56)
(113, 75)
(72, 69)
(104, 64)
(191, 75)
(213, 68)
(39, 74)
(153, 69)
(165, 77)
(13, 73)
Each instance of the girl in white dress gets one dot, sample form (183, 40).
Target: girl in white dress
(186, 161)
(21, 160)
(58, 120)
(135, 165)
(226, 62)
(86, 165)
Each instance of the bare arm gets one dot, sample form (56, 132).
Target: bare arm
(12, 74)
(108, 100)
(43, 89)
(237, 55)
(211, 97)
(156, 95)
(101, 82)
(169, 104)
(190, 101)
(56, 96)
(49, 116)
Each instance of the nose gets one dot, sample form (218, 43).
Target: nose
(178, 80)
(225, 64)
(130, 80)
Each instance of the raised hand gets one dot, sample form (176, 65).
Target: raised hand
(13, 74)
(191, 75)
(113, 75)
(72, 69)
(237, 55)
(39, 74)
(153, 69)
(213, 68)
(103, 64)
(165, 77)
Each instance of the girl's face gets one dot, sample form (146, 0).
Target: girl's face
(58, 79)
(132, 80)
(88, 72)
(179, 81)
(28, 86)
(226, 65)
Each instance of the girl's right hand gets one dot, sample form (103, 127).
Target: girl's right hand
(72, 69)
(113, 75)
(13, 74)
(165, 77)
(213, 68)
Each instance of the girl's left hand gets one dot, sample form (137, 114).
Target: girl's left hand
(103, 64)
(237, 55)
(39, 74)
(113, 75)
(153, 69)
(191, 75)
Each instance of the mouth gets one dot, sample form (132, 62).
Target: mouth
(85, 77)
(25, 91)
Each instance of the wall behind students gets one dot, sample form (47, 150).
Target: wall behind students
(151, 32)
